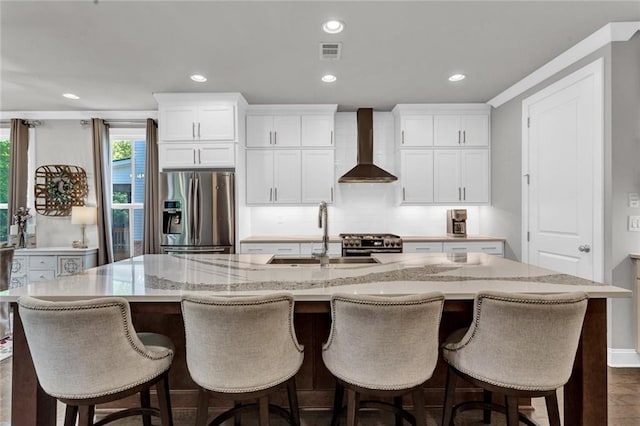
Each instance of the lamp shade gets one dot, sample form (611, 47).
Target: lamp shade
(83, 215)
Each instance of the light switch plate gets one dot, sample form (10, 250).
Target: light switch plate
(634, 223)
(634, 199)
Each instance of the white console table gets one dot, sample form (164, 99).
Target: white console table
(32, 265)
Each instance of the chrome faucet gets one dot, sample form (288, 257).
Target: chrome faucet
(323, 223)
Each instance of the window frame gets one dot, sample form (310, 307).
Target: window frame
(5, 134)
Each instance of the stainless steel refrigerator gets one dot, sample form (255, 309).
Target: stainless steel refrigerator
(197, 212)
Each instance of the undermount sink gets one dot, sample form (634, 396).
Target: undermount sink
(316, 261)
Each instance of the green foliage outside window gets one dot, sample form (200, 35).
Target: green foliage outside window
(121, 150)
(4, 187)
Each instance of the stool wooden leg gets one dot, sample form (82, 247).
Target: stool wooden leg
(164, 401)
(418, 407)
(237, 417)
(86, 414)
(487, 397)
(512, 411)
(293, 401)
(552, 409)
(70, 414)
(353, 400)
(447, 410)
(263, 403)
(203, 408)
(145, 402)
(337, 404)
(397, 402)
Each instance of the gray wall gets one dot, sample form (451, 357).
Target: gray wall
(621, 169)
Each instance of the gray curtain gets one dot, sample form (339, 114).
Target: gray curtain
(151, 239)
(18, 167)
(102, 172)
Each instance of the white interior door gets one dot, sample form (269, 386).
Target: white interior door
(562, 191)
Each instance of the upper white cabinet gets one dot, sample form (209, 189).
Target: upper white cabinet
(175, 155)
(273, 176)
(416, 130)
(461, 176)
(290, 126)
(416, 175)
(461, 130)
(317, 175)
(215, 122)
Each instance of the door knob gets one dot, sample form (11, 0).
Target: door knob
(586, 248)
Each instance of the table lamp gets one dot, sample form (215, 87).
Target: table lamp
(83, 216)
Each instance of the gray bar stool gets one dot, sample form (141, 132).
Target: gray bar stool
(517, 346)
(384, 347)
(87, 353)
(242, 348)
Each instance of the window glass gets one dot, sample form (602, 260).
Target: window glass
(4, 183)
(121, 246)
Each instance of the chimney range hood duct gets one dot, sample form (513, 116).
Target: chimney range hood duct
(365, 171)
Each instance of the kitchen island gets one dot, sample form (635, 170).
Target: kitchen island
(153, 284)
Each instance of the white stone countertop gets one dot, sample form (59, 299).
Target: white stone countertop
(635, 256)
(164, 278)
(337, 239)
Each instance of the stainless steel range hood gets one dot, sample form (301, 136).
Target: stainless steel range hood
(365, 171)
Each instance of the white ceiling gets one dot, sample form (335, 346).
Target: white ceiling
(116, 54)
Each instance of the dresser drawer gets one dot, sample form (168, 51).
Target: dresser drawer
(42, 263)
(37, 276)
(19, 267)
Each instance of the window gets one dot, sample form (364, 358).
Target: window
(128, 153)
(4, 182)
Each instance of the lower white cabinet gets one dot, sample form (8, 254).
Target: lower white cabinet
(335, 249)
(422, 247)
(489, 247)
(42, 264)
(176, 155)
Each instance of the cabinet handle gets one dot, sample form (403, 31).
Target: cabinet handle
(464, 193)
(275, 192)
(275, 137)
(403, 137)
(458, 137)
(270, 194)
(193, 130)
(199, 159)
(458, 248)
(270, 138)
(198, 130)
(331, 142)
(332, 194)
(404, 194)
(464, 137)
(194, 156)
(459, 193)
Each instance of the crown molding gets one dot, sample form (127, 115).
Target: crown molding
(613, 31)
(79, 115)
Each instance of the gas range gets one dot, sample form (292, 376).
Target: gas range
(366, 244)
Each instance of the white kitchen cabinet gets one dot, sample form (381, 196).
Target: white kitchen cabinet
(273, 130)
(196, 155)
(422, 247)
(271, 248)
(197, 122)
(42, 264)
(416, 130)
(317, 130)
(489, 247)
(335, 249)
(416, 175)
(273, 176)
(461, 176)
(461, 130)
(317, 175)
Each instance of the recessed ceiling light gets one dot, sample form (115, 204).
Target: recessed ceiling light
(457, 77)
(198, 78)
(329, 78)
(71, 96)
(333, 27)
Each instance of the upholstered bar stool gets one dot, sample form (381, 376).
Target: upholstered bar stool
(244, 349)
(383, 347)
(87, 353)
(517, 346)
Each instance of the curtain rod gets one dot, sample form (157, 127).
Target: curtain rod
(119, 123)
(30, 123)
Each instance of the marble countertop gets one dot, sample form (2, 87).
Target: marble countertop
(337, 239)
(163, 278)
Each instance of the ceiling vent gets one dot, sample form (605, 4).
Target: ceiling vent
(330, 51)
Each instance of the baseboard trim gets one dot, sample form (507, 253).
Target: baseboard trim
(623, 358)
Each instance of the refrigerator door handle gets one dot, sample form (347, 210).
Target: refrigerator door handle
(190, 215)
(197, 213)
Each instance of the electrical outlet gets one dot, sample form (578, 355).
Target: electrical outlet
(634, 223)
(634, 199)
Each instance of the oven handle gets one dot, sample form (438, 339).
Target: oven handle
(361, 252)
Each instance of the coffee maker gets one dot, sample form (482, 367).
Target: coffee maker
(457, 223)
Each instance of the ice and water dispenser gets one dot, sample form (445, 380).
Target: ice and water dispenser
(172, 218)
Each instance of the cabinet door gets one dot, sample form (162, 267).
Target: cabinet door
(416, 174)
(446, 130)
(446, 176)
(317, 130)
(259, 177)
(475, 175)
(177, 123)
(69, 265)
(422, 247)
(416, 130)
(286, 130)
(259, 130)
(286, 177)
(475, 130)
(217, 123)
(317, 176)
(271, 248)
(176, 155)
(216, 155)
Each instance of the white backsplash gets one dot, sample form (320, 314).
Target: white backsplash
(360, 207)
